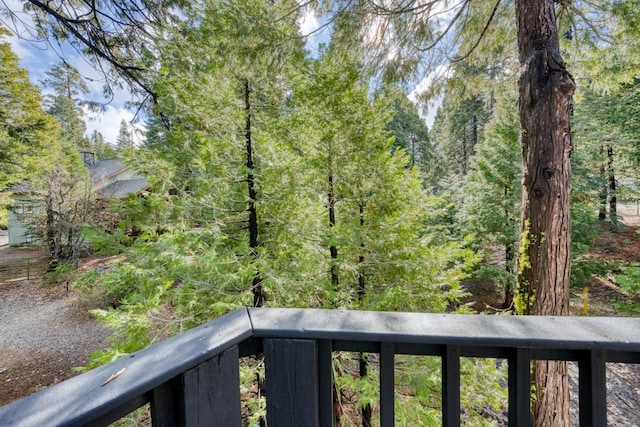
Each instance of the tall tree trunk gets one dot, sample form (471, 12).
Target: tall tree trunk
(366, 411)
(333, 250)
(602, 195)
(333, 271)
(509, 257)
(50, 229)
(412, 158)
(545, 89)
(613, 209)
(465, 154)
(474, 132)
(604, 190)
(256, 286)
(362, 283)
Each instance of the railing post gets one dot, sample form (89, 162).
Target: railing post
(291, 382)
(387, 386)
(451, 386)
(166, 404)
(209, 392)
(520, 387)
(325, 383)
(592, 385)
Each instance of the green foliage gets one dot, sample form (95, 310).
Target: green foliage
(124, 141)
(603, 123)
(64, 104)
(4, 216)
(235, 84)
(101, 148)
(458, 130)
(500, 277)
(412, 135)
(583, 270)
(492, 190)
(606, 51)
(252, 399)
(235, 73)
(584, 226)
(27, 134)
(68, 203)
(629, 281)
(524, 296)
(64, 272)
(628, 307)
(191, 256)
(104, 289)
(418, 382)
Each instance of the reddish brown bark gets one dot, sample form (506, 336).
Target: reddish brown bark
(545, 89)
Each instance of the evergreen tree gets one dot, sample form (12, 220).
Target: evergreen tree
(412, 135)
(124, 140)
(65, 104)
(492, 189)
(221, 164)
(101, 148)
(48, 166)
(302, 128)
(26, 132)
(69, 205)
(375, 205)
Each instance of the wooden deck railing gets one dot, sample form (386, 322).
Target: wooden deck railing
(193, 379)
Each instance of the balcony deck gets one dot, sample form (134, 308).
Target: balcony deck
(193, 378)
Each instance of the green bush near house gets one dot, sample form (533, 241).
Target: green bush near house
(4, 218)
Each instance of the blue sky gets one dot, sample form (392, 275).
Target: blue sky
(37, 58)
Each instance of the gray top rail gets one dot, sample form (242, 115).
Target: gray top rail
(563, 333)
(126, 384)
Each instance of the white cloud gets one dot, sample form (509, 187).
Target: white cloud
(308, 22)
(311, 28)
(108, 123)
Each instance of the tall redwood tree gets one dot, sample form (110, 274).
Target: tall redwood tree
(546, 90)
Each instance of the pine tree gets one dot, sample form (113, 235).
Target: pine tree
(26, 132)
(101, 148)
(412, 135)
(492, 189)
(124, 140)
(377, 198)
(65, 104)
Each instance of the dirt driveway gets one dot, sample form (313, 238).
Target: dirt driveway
(43, 334)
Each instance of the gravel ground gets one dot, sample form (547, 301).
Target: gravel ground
(623, 394)
(43, 334)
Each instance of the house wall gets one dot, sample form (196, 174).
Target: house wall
(20, 214)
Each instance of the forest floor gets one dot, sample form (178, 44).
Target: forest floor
(622, 246)
(45, 333)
